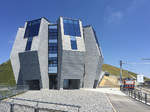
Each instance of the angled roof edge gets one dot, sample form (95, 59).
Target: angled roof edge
(38, 19)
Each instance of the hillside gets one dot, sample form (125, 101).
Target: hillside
(110, 81)
(116, 72)
(6, 74)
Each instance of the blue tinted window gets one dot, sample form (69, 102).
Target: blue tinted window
(53, 34)
(77, 28)
(53, 30)
(52, 48)
(52, 62)
(29, 43)
(71, 27)
(32, 28)
(73, 43)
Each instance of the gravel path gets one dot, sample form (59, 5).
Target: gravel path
(88, 101)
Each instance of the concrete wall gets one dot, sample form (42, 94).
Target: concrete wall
(72, 66)
(72, 61)
(43, 52)
(93, 58)
(19, 46)
(66, 45)
(59, 54)
(23, 61)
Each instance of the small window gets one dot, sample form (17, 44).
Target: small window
(52, 62)
(73, 43)
(52, 48)
(29, 44)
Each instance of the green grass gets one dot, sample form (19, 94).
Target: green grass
(6, 74)
(116, 71)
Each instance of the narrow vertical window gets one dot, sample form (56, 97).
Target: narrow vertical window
(73, 43)
(29, 43)
(52, 49)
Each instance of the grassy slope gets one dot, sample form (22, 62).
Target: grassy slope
(116, 71)
(111, 81)
(6, 74)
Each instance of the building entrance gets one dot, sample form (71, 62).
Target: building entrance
(71, 84)
(95, 83)
(33, 84)
(52, 82)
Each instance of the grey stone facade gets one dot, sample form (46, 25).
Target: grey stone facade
(93, 58)
(33, 64)
(72, 66)
(78, 68)
(29, 65)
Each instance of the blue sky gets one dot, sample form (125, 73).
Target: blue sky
(122, 26)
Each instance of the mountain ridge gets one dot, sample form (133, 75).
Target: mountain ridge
(116, 72)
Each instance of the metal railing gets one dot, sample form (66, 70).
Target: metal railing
(138, 95)
(14, 107)
(10, 104)
(6, 106)
(8, 91)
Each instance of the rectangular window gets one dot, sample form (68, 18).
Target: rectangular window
(77, 28)
(71, 27)
(52, 62)
(52, 55)
(52, 69)
(52, 37)
(29, 43)
(53, 30)
(52, 41)
(73, 43)
(52, 47)
(32, 28)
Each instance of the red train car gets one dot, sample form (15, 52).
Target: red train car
(128, 83)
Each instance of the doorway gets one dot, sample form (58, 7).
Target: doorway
(52, 82)
(95, 83)
(33, 84)
(71, 84)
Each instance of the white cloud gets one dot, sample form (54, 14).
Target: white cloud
(135, 4)
(114, 14)
(115, 17)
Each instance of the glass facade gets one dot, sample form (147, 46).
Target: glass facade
(73, 43)
(71, 27)
(52, 49)
(32, 28)
(52, 62)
